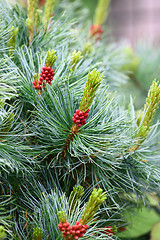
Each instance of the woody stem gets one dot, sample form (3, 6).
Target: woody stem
(74, 131)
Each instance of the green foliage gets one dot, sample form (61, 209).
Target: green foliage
(141, 222)
(35, 129)
(155, 232)
(76, 57)
(31, 12)
(48, 11)
(50, 58)
(62, 216)
(151, 105)
(101, 13)
(2, 232)
(75, 196)
(95, 200)
(93, 81)
(37, 234)
(149, 112)
(12, 41)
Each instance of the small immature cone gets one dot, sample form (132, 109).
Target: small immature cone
(47, 71)
(96, 199)
(79, 118)
(110, 231)
(132, 63)
(96, 30)
(88, 48)
(78, 230)
(63, 225)
(149, 112)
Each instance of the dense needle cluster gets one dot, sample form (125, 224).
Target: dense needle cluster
(46, 76)
(80, 117)
(76, 230)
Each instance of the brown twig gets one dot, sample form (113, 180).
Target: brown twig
(74, 131)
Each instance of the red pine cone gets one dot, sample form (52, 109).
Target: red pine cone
(46, 76)
(121, 229)
(80, 117)
(78, 230)
(96, 30)
(65, 228)
(108, 231)
(41, 2)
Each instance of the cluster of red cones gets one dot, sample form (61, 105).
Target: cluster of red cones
(76, 230)
(80, 117)
(46, 76)
(108, 231)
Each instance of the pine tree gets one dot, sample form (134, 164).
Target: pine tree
(69, 152)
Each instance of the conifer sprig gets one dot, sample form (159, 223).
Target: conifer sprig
(12, 41)
(100, 17)
(31, 13)
(76, 57)
(51, 58)
(89, 92)
(46, 205)
(150, 108)
(75, 196)
(93, 81)
(95, 200)
(48, 11)
(101, 13)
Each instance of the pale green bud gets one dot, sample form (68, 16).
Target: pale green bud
(149, 111)
(76, 57)
(102, 11)
(2, 232)
(93, 81)
(12, 40)
(48, 11)
(88, 48)
(37, 234)
(75, 196)
(31, 13)
(96, 199)
(51, 58)
(62, 216)
(132, 59)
